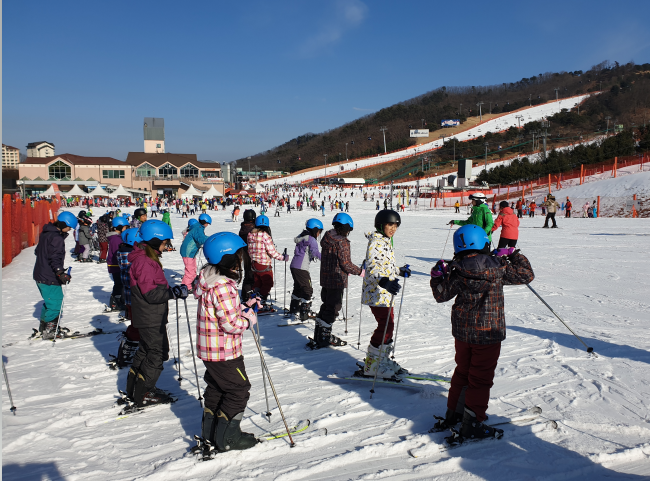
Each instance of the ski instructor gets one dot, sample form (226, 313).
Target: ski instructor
(481, 215)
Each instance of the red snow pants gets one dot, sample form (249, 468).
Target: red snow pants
(474, 373)
(262, 278)
(381, 316)
(103, 246)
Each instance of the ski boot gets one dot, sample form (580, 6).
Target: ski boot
(47, 330)
(384, 369)
(386, 351)
(451, 420)
(144, 397)
(473, 429)
(305, 310)
(228, 434)
(323, 336)
(126, 351)
(115, 304)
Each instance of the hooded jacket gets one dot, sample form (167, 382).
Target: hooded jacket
(482, 217)
(306, 251)
(336, 263)
(114, 241)
(508, 222)
(476, 281)
(84, 235)
(102, 229)
(551, 205)
(380, 262)
(149, 291)
(220, 325)
(194, 240)
(50, 254)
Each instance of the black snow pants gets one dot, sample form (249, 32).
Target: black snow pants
(228, 386)
(552, 217)
(152, 352)
(302, 289)
(332, 304)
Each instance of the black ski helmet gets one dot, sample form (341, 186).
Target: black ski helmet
(386, 216)
(139, 212)
(249, 215)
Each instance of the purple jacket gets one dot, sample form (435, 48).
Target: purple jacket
(306, 251)
(149, 291)
(114, 241)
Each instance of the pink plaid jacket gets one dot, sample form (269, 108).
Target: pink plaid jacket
(219, 326)
(261, 248)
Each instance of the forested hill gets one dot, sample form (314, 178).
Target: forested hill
(364, 137)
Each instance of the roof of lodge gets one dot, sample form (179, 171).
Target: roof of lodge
(75, 160)
(177, 160)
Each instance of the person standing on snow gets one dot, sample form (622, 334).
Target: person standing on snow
(568, 207)
(139, 217)
(509, 224)
(114, 237)
(379, 285)
(193, 241)
(476, 279)
(481, 215)
(305, 252)
(245, 228)
(49, 272)
(552, 206)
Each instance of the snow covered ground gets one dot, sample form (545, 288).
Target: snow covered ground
(590, 270)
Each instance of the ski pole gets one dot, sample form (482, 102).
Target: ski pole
(390, 311)
(590, 350)
(171, 344)
(346, 309)
(11, 399)
(445, 247)
(399, 313)
(196, 371)
(284, 303)
(359, 339)
(266, 392)
(58, 321)
(178, 342)
(275, 288)
(275, 394)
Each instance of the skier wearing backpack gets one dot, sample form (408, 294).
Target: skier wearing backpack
(306, 251)
(475, 278)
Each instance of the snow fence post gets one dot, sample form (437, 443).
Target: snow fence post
(598, 207)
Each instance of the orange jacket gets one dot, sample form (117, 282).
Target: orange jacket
(509, 223)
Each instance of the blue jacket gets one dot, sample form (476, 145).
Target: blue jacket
(50, 254)
(194, 240)
(306, 250)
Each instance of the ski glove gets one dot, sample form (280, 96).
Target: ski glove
(254, 302)
(392, 287)
(363, 272)
(63, 277)
(505, 251)
(451, 222)
(405, 271)
(181, 291)
(440, 269)
(251, 316)
(285, 257)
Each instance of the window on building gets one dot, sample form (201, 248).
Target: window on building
(210, 175)
(167, 170)
(145, 170)
(189, 171)
(158, 146)
(59, 170)
(113, 174)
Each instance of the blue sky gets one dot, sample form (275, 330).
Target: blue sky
(232, 79)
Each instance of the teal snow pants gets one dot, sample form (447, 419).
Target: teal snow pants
(53, 297)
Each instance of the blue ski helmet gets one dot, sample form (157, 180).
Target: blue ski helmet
(314, 224)
(262, 221)
(343, 218)
(205, 218)
(221, 244)
(131, 236)
(155, 228)
(119, 221)
(191, 222)
(68, 219)
(470, 237)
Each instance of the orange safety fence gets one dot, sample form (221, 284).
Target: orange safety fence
(22, 223)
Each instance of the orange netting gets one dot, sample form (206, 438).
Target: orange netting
(22, 223)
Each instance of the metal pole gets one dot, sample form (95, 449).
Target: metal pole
(346, 308)
(178, 342)
(11, 399)
(196, 372)
(390, 311)
(58, 320)
(266, 393)
(275, 288)
(399, 313)
(171, 344)
(284, 303)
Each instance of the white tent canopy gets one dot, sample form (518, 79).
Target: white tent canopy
(259, 188)
(75, 192)
(98, 192)
(191, 192)
(212, 192)
(50, 192)
(119, 192)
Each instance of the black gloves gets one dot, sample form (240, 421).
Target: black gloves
(405, 271)
(180, 292)
(62, 276)
(391, 286)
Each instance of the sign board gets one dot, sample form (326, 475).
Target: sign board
(629, 203)
(619, 128)
(419, 132)
(450, 122)
(160, 191)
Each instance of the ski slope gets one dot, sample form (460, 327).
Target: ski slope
(497, 124)
(592, 271)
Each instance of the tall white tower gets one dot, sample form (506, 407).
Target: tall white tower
(154, 135)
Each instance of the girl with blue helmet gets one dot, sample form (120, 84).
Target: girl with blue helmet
(305, 252)
(193, 241)
(118, 225)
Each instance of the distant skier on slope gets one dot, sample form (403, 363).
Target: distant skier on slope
(476, 279)
(552, 206)
(481, 215)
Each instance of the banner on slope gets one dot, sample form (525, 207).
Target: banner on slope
(419, 132)
(450, 122)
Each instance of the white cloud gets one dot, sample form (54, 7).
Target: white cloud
(348, 14)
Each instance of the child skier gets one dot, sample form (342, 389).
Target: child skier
(84, 239)
(49, 272)
(190, 223)
(481, 215)
(335, 268)
(509, 223)
(139, 217)
(193, 241)
(246, 227)
(305, 252)
(131, 338)
(261, 250)
(150, 294)
(476, 279)
(114, 237)
(379, 285)
(221, 322)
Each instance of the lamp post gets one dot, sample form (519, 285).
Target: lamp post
(383, 129)
(325, 155)
(249, 168)
(519, 117)
(480, 113)
(486, 147)
(556, 90)
(346, 151)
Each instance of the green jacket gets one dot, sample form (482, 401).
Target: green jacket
(166, 219)
(482, 217)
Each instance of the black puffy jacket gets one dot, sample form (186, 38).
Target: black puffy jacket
(50, 254)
